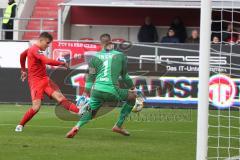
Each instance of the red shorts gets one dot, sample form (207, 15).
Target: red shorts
(46, 86)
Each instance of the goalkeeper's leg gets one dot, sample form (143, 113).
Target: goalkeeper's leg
(88, 114)
(125, 111)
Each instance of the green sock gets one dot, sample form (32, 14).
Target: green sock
(87, 116)
(126, 109)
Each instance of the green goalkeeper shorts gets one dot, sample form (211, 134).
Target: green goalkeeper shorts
(98, 98)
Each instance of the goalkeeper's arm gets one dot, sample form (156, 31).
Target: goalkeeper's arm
(128, 81)
(91, 77)
(125, 76)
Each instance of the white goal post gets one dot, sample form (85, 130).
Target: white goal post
(218, 120)
(203, 92)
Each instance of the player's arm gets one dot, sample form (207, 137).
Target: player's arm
(23, 58)
(49, 61)
(128, 81)
(92, 72)
(125, 76)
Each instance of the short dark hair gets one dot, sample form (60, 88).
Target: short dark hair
(105, 39)
(46, 35)
(171, 29)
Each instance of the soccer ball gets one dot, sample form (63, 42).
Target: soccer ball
(139, 104)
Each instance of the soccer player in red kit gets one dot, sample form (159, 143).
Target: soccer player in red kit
(38, 80)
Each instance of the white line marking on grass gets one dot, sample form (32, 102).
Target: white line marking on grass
(24, 112)
(106, 129)
(44, 126)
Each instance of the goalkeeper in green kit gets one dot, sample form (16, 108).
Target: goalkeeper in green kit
(105, 69)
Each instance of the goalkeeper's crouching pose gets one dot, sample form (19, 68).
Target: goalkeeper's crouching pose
(105, 68)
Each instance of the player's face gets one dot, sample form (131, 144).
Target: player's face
(44, 42)
(109, 47)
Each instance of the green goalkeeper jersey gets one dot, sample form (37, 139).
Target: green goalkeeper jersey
(105, 69)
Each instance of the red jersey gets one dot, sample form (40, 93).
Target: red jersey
(36, 63)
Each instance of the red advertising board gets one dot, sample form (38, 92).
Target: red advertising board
(72, 51)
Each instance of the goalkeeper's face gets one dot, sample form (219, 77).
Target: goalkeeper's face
(105, 39)
(106, 43)
(109, 47)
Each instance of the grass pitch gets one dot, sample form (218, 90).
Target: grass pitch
(156, 134)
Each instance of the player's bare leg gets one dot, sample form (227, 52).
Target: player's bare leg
(36, 105)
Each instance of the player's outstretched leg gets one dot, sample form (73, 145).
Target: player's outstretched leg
(62, 100)
(86, 116)
(69, 106)
(126, 109)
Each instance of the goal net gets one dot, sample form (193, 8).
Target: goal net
(224, 82)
